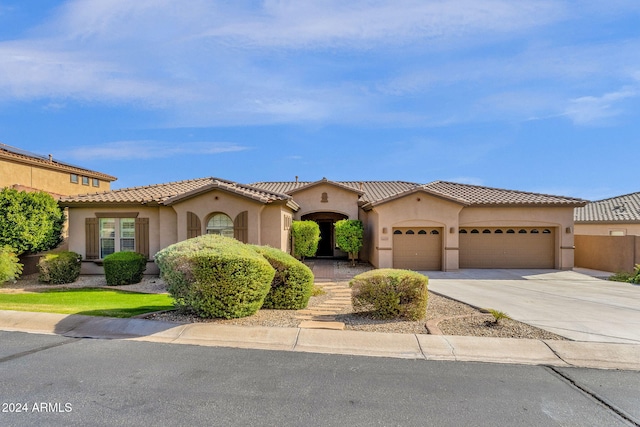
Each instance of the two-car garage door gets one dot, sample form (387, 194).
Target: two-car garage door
(493, 247)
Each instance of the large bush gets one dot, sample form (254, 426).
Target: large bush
(293, 281)
(10, 267)
(215, 276)
(306, 235)
(59, 268)
(29, 222)
(124, 268)
(349, 236)
(390, 293)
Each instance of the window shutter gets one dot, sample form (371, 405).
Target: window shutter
(92, 238)
(194, 226)
(142, 236)
(241, 227)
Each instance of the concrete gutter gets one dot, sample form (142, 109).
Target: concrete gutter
(405, 346)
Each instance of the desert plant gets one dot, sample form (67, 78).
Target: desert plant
(305, 235)
(349, 235)
(124, 268)
(10, 267)
(292, 283)
(624, 276)
(59, 268)
(498, 315)
(317, 291)
(390, 293)
(215, 276)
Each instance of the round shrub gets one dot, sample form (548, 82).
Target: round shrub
(124, 268)
(293, 281)
(389, 293)
(215, 276)
(59, 268)
(10, 267)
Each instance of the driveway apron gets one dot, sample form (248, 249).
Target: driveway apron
(568, 303)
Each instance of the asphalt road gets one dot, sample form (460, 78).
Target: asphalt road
(50, 380)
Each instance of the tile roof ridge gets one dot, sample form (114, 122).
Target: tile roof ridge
(502, 189)
(635, 193)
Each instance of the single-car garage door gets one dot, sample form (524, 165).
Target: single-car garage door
(417, 248)
(491, 247)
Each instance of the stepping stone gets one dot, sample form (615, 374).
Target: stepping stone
(311, 324)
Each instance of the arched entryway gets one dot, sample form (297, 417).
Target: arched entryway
(326, 221)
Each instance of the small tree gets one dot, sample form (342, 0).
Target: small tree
(306, 235)
(29, 222)
(349, 235)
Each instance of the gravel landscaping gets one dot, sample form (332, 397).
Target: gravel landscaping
(444, 315)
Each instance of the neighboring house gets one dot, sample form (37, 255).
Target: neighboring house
(607, 233)
(435, 226)
(22, 170)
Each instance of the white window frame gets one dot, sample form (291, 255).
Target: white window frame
(123, 228)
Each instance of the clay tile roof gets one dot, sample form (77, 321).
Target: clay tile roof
(624, 209)
(26, 157)
(172, 192)
(474, 195)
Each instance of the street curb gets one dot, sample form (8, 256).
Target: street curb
(358, 343)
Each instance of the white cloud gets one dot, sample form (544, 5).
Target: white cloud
(589, 110)
(130, 150)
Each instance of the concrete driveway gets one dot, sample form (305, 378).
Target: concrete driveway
(568, 303)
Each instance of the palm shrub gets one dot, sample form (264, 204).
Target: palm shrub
(124, 268)
(59, 268)
(390, 293)
(215, 276)
(292, 283)
(10, 267)
(305, 235)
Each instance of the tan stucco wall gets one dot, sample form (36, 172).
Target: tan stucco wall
(273, 228)
(560, 218)
(338, 200)
(414, 210)
(49, 180)
(606, 229)
(608, 253)
(77, 233)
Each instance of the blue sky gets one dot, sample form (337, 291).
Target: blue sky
(531, 95)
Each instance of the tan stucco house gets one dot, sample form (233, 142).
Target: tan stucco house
(27, 171)
(435, 226)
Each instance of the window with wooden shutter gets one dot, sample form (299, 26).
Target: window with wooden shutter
(194, 226)
(142, 236)
(92, 247)
(241, 227)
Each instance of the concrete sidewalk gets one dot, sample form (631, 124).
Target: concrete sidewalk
(407, 346)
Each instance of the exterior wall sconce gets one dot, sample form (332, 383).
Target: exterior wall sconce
(452, 230)
(568, 230)
(384, 230)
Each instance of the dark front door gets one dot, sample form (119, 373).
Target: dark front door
(325, 246)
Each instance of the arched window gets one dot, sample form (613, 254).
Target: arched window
(435, 232)
(474, 231)
(498, 231)
(409, 232)
(463, 231)
(510, 231)
(546, 231)
(397, 232)
(534, 231)
(522, 231)
(486, 231)
(422, 232)
(220, 224)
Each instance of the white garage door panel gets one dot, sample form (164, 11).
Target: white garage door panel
(417, 248)
(523, 248)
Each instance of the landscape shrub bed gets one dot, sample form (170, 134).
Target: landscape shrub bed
(292, 283)
(215, 276)
(124, 268)
(59, 268)
(390, 293)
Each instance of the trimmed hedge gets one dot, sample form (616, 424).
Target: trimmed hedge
(305, 235)
(293, 281)
(59, 268)
(390, 293)
(124, 268)
(10, 267)
(215, 276)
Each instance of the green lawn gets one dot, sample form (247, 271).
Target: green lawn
(88, 301)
